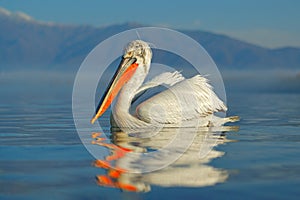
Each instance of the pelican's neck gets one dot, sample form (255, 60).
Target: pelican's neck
(127, 93)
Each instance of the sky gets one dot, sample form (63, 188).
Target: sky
(268, 23)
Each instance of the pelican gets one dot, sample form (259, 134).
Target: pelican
(185, 99)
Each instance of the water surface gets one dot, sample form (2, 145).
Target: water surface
(42, 156)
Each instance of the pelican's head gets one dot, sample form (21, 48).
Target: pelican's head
(140, 51)
(137, 54)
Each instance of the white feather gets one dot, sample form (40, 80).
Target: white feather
(186, 100)
(166, 78)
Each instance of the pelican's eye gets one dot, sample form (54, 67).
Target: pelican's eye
(129, 54)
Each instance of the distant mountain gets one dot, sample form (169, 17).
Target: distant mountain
(25, 42)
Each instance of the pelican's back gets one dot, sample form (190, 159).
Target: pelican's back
(189, 99)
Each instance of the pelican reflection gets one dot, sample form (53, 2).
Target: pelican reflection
(187, 167)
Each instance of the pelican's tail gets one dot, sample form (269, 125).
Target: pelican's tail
(219, 121)
(232, 119)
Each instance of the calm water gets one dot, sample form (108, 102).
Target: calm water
(42, 156)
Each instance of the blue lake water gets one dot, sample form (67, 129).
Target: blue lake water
(41, 155)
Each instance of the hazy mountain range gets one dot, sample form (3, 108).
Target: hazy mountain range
(25, 42)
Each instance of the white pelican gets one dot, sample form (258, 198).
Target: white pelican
(185, 100)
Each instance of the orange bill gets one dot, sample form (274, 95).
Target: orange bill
(125, 71)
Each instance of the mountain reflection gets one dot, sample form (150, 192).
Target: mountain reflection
(190, 167)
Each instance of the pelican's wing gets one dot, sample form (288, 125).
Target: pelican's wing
(167, 78)
(186, 100)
